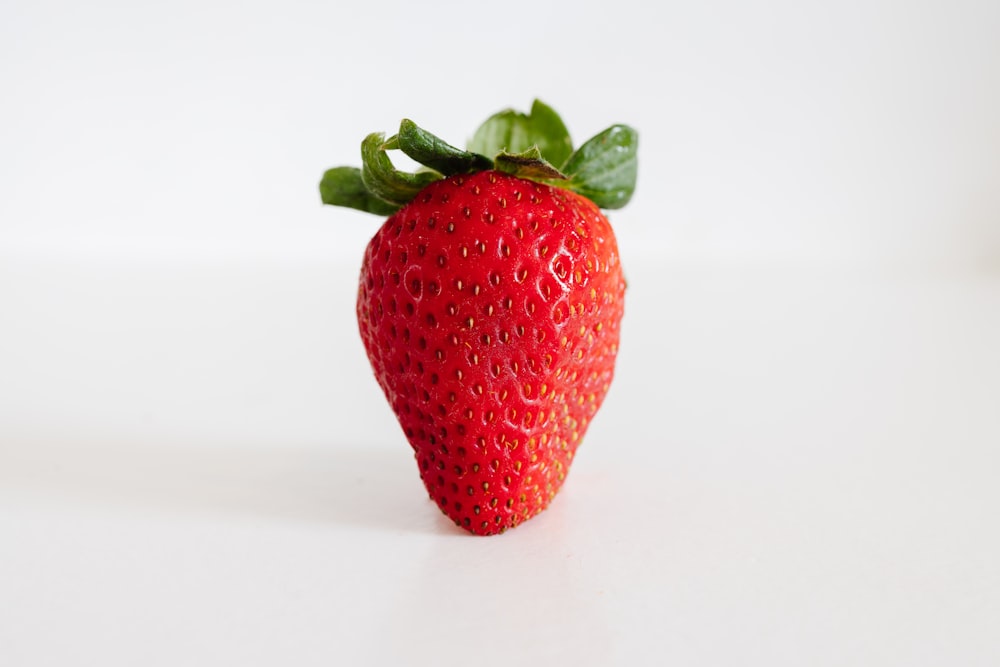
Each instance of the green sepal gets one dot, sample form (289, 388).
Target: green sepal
(431, 151)
(511, 131)
(604, 168)
(528, 164)
(343, 186)
(382, 179)
(534, 146)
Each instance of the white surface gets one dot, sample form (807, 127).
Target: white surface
(796, 465)
(792, 468)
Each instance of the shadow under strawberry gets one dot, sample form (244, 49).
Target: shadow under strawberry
(361, 487)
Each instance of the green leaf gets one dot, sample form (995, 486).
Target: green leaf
(528, 164)
(604, 168)
(382, 179)
(343, 186)
(511, 131)
(437, 154)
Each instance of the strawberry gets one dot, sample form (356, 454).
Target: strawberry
(490, 301)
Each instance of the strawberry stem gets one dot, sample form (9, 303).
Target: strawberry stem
(530, 164)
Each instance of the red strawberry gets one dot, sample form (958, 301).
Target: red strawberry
(490, 302)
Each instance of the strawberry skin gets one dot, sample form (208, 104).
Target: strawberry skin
(490, 307)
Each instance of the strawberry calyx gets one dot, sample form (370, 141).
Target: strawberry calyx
(535, 146)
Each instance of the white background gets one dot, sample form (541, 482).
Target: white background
(797, 463)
